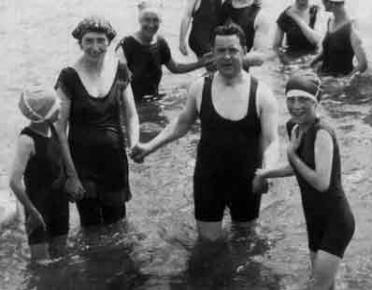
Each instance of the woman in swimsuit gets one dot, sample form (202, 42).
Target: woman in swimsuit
(314, 158)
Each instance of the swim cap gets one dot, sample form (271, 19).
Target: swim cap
(94, 24)
(39, 105)
(149, 7)
(304, 85)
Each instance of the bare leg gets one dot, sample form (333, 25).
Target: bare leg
(324, 271)
(209, 231)
(39, 252)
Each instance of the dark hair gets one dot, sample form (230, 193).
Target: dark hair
(230, 29)
(94, 24)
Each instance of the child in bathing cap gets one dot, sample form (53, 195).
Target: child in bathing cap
(37, 175)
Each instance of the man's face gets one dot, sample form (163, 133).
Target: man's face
(229, 54)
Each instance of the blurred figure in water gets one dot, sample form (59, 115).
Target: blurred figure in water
(203, 15)
(250, 17)
(314, 158)
(341, 44)
(298, 24)
(145, 51)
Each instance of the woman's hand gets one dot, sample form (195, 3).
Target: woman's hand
(183, 48)
(259, 184)
(74, 188)
(295, 140)
(34, 221)
(139, 151)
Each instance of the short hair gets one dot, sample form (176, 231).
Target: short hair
(229, 29)
(94, 24)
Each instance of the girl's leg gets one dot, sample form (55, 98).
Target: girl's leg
(325, 267)
(39, 252)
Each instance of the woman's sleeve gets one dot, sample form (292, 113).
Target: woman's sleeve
(64, 82)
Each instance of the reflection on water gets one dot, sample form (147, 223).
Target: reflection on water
(159, 249)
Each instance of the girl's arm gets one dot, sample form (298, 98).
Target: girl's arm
(131, 116)
(320, 177)
(281, 171)
(360, 54)
(25, 150)
(73, 184)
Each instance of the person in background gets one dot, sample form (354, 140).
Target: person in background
(239, 134)
(145, 51)
(341, 44)
(37, 176)
(96, 102)
(204, 16)
(314, 158)
(297, 23)
(249, 16)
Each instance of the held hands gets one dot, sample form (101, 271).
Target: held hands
(139, 151)
(260, 184)
(74, 188)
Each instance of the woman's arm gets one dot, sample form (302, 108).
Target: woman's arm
(132, 122)
(185, 25)
(73, 184)
(25, 149)
(179, 68)
(312, 35)
(277, 45)
(360, 54)
(320, 177)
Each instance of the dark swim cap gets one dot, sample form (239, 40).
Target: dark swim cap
(94, 24)
(304, 84)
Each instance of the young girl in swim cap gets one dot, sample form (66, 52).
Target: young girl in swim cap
(37, 176)
(314, 158)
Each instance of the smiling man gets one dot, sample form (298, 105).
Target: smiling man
(239, 122)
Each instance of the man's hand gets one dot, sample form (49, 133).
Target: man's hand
(260, 185)
(74, 188)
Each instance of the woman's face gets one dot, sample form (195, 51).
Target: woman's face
(302, 109)
(149, 23)
(94, 44)
(327, 5)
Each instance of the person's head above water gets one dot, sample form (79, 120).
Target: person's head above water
(304, 84)
(329, 5)
(94, 24)
(303, 93)
(39, 105)
(149, 17)
(229, 49)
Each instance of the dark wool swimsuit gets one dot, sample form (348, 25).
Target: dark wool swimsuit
(205, 20)
(44, 179)
(227, 157)
(330, 222)
(296, 41)
(97, 147)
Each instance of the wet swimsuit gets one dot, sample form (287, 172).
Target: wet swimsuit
(330, 222)
(145, 61)
(244, 17)
(338, 52)
(44, 179)
(296, 40)
(98, 147)
(205, 19)
(227, 157)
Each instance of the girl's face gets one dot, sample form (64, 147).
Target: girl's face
(149, 23)
(94, 44)
(302, 109)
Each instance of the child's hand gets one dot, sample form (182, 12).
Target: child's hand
(34, 221)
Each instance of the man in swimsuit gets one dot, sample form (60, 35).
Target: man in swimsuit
(239, 133)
